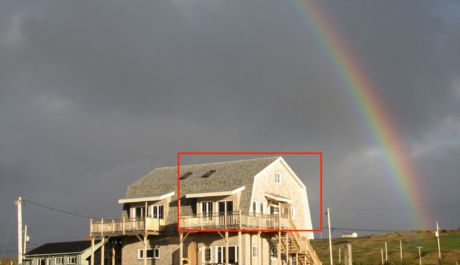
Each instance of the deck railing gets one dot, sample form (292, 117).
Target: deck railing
(126, 226)
(233, 220)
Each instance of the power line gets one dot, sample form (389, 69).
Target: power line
(57, 210)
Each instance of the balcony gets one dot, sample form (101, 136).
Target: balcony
(234, 221)
(126, 226)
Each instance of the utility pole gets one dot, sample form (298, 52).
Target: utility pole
(20, 246)
(420, 254)
(328, 213)
(386, 252)
(26, 238)
(437, 237)
(400, 249)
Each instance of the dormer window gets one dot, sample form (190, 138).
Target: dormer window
(277, 177)
(186, 175)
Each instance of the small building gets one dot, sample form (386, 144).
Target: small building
(351, 235)
(68, 253)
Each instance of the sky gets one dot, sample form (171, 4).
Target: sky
(94, 94)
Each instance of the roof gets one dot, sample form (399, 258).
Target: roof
(61, 247)
(221, 177)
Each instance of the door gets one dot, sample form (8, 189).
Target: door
(192, 253)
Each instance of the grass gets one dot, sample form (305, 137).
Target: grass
(366, 250)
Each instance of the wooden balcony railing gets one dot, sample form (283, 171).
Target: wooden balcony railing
(233, 220)
(126, 226)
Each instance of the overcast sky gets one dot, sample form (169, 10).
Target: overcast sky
(93, 94)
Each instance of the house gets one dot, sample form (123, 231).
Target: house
(70, 253)
(351, 235)
(231, 212)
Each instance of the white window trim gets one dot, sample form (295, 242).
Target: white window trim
(141, 250)
(255, 210)
(56, 261)
(154, 252)
(278, 178)
(223, 253)
(255, 252)
(203, 254)
(69, 262)
(293, 213)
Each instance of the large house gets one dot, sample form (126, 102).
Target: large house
(231, 212)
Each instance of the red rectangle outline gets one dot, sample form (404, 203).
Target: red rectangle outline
(319, 153)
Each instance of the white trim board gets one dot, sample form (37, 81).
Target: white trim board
(146, 199)
(215, 194)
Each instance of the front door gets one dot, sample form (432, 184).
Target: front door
(192, 252)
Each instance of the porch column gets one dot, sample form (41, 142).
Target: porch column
(92, 250)
(113, 252)
(260, 249)
(145, 250)
(240, 250)
(226, 247)
(287, 248)
(102, 250)
(278, 252)
(181, 247)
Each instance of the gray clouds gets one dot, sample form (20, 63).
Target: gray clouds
(94, 94)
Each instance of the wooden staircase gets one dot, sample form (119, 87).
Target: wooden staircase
(298, 245)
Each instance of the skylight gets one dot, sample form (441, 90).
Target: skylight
(208, 174)
(186, 175)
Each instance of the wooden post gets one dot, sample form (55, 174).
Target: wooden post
(279, 235)
(350, 255)
(102, 250)
(145, 250)
(296, 258)
(340, 255)
(123, 224)
(92, 249)
(240, 252)
(381, 254)
(113, 252)
(181, 247)
(386, 252)
(226, 247)
(259, 255)
(287, 248)
(400, 250)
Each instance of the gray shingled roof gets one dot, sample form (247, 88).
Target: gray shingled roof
(229, 175)
(61, 248)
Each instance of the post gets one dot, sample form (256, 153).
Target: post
(259, 255)
(240, 252)
(278, 253)
(340, 255)
(226, 247)
(113, 252)
(400, 250)
(350, 255)
(420, 255)
(181, 247)
(145, 250)
(328, 213)
(25, 240)
(287, 248)
(102, 250)
(437, 237)
(92, 249)
(20, 246)
(386, 252)
(381, 252)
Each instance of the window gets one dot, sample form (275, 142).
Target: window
(72, 260)
(274, 209)
(254, 207)
(156, 253)
(225, 207)
(137, 212)
(254, 251)
(293, 213)
(232, 254)
(277, 177)
(206, 209)
(157, 211)
(261, 208)
(207, 255)
(150, 253)
(41, 262)
(59, 260)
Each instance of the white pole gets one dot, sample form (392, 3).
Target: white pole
(20, 246)
(439, 243)
(381, 253)
(328, 213)
(420, 254)
(400, 250)
(386, 252)
(340, 255)
(25, 240)
(350, 255)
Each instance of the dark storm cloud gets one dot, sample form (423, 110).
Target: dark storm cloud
(94, 94)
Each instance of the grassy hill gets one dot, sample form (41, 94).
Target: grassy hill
(366, 250)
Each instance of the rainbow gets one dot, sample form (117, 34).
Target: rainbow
(370, 109)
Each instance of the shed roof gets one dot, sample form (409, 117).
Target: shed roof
(61, 248)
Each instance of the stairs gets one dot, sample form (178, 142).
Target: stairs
(298, 245)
